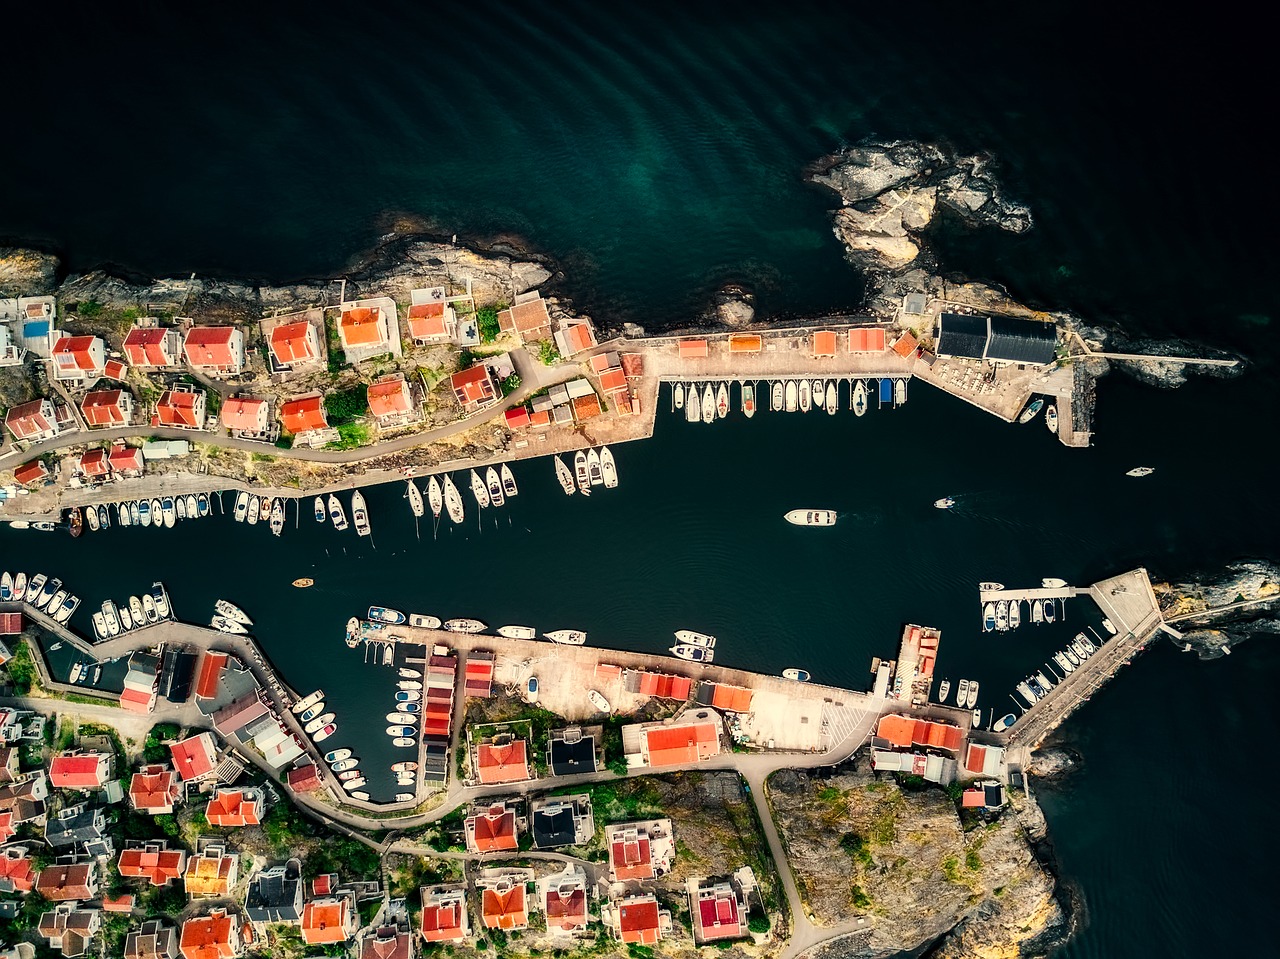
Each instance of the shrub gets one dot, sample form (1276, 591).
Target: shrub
(89, 309)
(154, 749)
(758, 923)
(548, 353)
(511, 384)
(487, 322)
(860, 899)
(22, 669)
(345, 405)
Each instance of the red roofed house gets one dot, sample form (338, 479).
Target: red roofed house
(30, 473)
(152, 347)
(391, 401)
(152, 861)
(194, 758)
(68, 882)
(33, 421)
(235, 807)
(212, 873)
(905, 345)
(304, 779)
(107, 408)
(693, 349)
(210, 671)
(79, 358)
(304, 414)
(679, 744)
(181, 407)
(431, 319)
(154, 790)
(585, 407)
(564, 900)
(388, 942)
(528, 320)
(93, 463)
(517, 417)
(504, 903)
(612, 381)
(824, 343)
(444, 914)
(294, 344)
(504, 760)
(77, 770)
(574, 337)
(903, 731)
(492, 829)
(126, 460)
(638, 919)
(866, 339)
(246, 416)
(329, 920)
(115, 370)
(70, 929)
(475, 388)
(17, 873)
(364, 329)
(643, 850)
(215, 349)
(215, 936)
(718, 909)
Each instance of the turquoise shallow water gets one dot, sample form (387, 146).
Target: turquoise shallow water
(657, 151)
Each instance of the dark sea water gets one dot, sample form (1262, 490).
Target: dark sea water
(656, 152)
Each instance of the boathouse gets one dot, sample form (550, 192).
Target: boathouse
(999, 340)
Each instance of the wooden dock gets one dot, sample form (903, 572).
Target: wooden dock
(1029, 595)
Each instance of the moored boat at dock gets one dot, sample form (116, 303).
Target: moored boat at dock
(19, 587)
(565, 476)
(518, 632)
(138, 610)
(169, 512)
(319, 509)
(1025, 691)
(1109, 626)
(435, 498)
(318, 723)
(819, 394)
(748, 400)
(608, 468)
(422, 621)
(859, 400)
(337, 756)
(1037, 613)
(6, 586)
(944, 690)
(694, 638)
(567, 637)
(775, 397)
(306, 702)
(1002, 615)
(796, 675)
(792, 402)
(694, 654)
(416, 506)
(464, 625)
(1015, 613)
(1050, 582)
(1028, 414)
(494, 485)
(806, 401)
(400, 731)
(1004, 722)
(111, 618)
(359, 514)
(479, 491)
(149, 606)
(135, 514)
(231, 612)
(453, 501)
(76, 521)
(722, 401)
(811, 517)
(708, 405)
(693, 406)
(832, 398)
(971, 699)
(677, 395)
(409, 673)
(383, 614)
(508, 481)
(595, 474)
(222, 624)
(1051, 419)
(180, 504)
(1050, 611)
(123, 517)
(402, 719)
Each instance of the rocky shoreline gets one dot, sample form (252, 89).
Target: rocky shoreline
(1214, 634)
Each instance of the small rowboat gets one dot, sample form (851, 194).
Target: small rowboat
(598, 701)
(304, 582)
(518, 632)
(796, 675)
(465, 626)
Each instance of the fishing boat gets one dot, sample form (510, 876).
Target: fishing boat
(168, 511)
(404, 731)
(796, 675)
(306, 702)
(1051, 583)
(1063, 663)
(1050, 611)
(598, 701)
(231, 612)
(314, 712)
(944, 690)
(383, 614)
(693, 638)
(1004, 722)
(6, 586)
(1015, 614)
(111, 618)
(694, 654)
(415, 499)
(302, 582)
(479, 490)
(608, 468)
(1051, 418)
(775, 396)
(693, 408)
(677, 395)
(180, 507)
(202, 505)
(76, 670)
(1002, 615)
(748, 400)
(494, 485)
(1037, 613)
(899, 392)
(408, 696)
(859, 398)
(408, 673)
(832, 400)
(1140, 471)
(422, 622)
(1028, 414)
(402, 719)
(78, 519)
(464, 626)
(567, 637)
(336, 513)
(565, 476)
(162, 601)
(518, 632)
(149, 606)
(962, 692)
(222, 624)
(722, 401)
(401, 741)
(595, 473)
(20, 587)
(453, 501)
(277, 516)
(255, 510)
(359, 515)
(337, 756)
(1109, 626)
(806, 401)
(135, 514)
(811, 517)
(792, 397)
(946, 502)
(819, 394)
(508, 481)
(708, 405)
(319, 722)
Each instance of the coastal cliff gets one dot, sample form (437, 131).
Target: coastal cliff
(915, 870)
(1213, 634)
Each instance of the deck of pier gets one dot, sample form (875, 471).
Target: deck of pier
(1029, 595)
(51, 626)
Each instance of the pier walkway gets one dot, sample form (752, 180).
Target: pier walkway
(51, 626)
(1210, 611)
(1028, 595)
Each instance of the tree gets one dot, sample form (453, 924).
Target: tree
(758, 923)
(487, 323)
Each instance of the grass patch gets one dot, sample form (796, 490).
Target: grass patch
(951, 869)
(350, 436)
(22, 668)
(859, 897)
(487, 323)
(344, 406)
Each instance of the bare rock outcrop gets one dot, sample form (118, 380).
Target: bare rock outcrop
(26, 272)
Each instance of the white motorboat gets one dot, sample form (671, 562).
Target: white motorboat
(359, 514)
(776, 402)
(149, 606)
(859, 400)
(946, 502)
(90, 517)
(1004, 722)
(402, 719)
(1087, 643)
(1070, 653)
(1078, 648)
(306, 702)
(421, 621)
(180, 505)
(277, 516)
(76, 670)
(598, 701)
(1064, 664)
(19, 587)
(832, 400)
(405, 797)
(316, 724)
(336, 513)
(988, 617)
(608, 468)
(594, 472)
(693, 408)
(508, 481)
(580, 471)
(796, 675)
(1141, 471)
(402, 741)
(408, 673)
(518, 632)
(312, 713)
(748, 400)
(1015, 614)
(565, 476)
(255, 510)
(225, 625)
(400, 731)
(990, 587)
(6, 586)
(384, 614)
(355, 784)
(811, 517)
(46, 594)
(693, 638)
(1051, 419)
(962, 693)
(126, 617)
(494, 485)
(138, 610)
(899, 392)
(122, 515)
(792, 402)
(1051, 583)
(99, 625)
(231, 612)
(56, 602)
(1044, 681)
(337, 756)
(162, 601)
(97, 674)
(111, 618)
(722, 401)
(407, 766)
(319, 509)
(1037, 613)
(1025, 691)
(168, 511)
(1030, 412)
(977, 718)
(349, 775)
(708, 405)
(567, 637)
(464, 625)
(944, 690)
(1109, 626)
(415, 499)
(806, 401)
(479, 490)
(35, 587)
(1002, 615)
(69, 606)
(677, 395)
(242, 508)
(1050, 611)
(135, 514)
(694, 654)
(453, 501)
(819, 394)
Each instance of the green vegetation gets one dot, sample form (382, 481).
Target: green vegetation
(548, 353)
(284, 442)
(511, 384)
(89, 309)
(951, 869)
(758, 923)
(22, 669)
(465, 359)
(830, 794)
(262, 457)
(154, 749)
(972, 861)
(163, 902)
(345, 405)
(856, 847)
(487, 322)
(350, 436)
(11, 930)
(859, 897)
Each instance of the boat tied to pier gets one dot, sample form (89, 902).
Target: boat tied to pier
(565, 476)
(1028, 414)
(453, 501)
(222, 624)
(1004, 722)
(306, 702)
(479, 491)
(694, 654)
(791, 404)
(415, 499)
(796, 675)
(231, 612)
(319, 507)
(806, 401)
(722, 401)
(508, 481)
(494, 485)
(421, 621)
(677, 395)
(383, 614)
(748, 400)
(811, 517)
(775, 397)
(435, 498)
(694, 638)
(944, 690)
(359, 514)
(464, 625)
(693, 407)
(518, 632)
(859, 398)
(336, 513)
(567, 637)
(594, 471)
(1051, 419)
(608, 468)
(708, 405)
(277, 516)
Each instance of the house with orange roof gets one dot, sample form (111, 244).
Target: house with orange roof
(154, 790)
(504, 898)
(745, 343)
(564, 900)
(906, 345)
(330, 920)
(731, 699)
(444, 913)
(528, 319)
(215, 349)
(984, 760)
(693, 349)
(866, 339)
(182, 407)
(475, 388)
(492, 828)
(153, 861)
(29, 474)
(70, 929)
(126, 461)
(639, 920)
(208, 674)
(79, 770)
(640, 850)
(247, 417)
(431, 318)
(679, 744)
(152, 347)
(502, 759)
(824, 343)
(236, 807)
(194, 757)
(304, 414)
(78, 359)
(212, 873)
(574, 336)
(219, 935)
(33, 421)
(93, 463)
(387, 942)
(115, 370)
(294, 346)
(586, 407)
(17, 871)
(107, 408)
(391, 401)
(905, 731)
(369, 328)
(67, 881)
(612, 381)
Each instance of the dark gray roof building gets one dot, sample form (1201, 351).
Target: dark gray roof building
(960, 335)
(275, 895)
(74, 825)
(570, 755)
(1021, 341)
